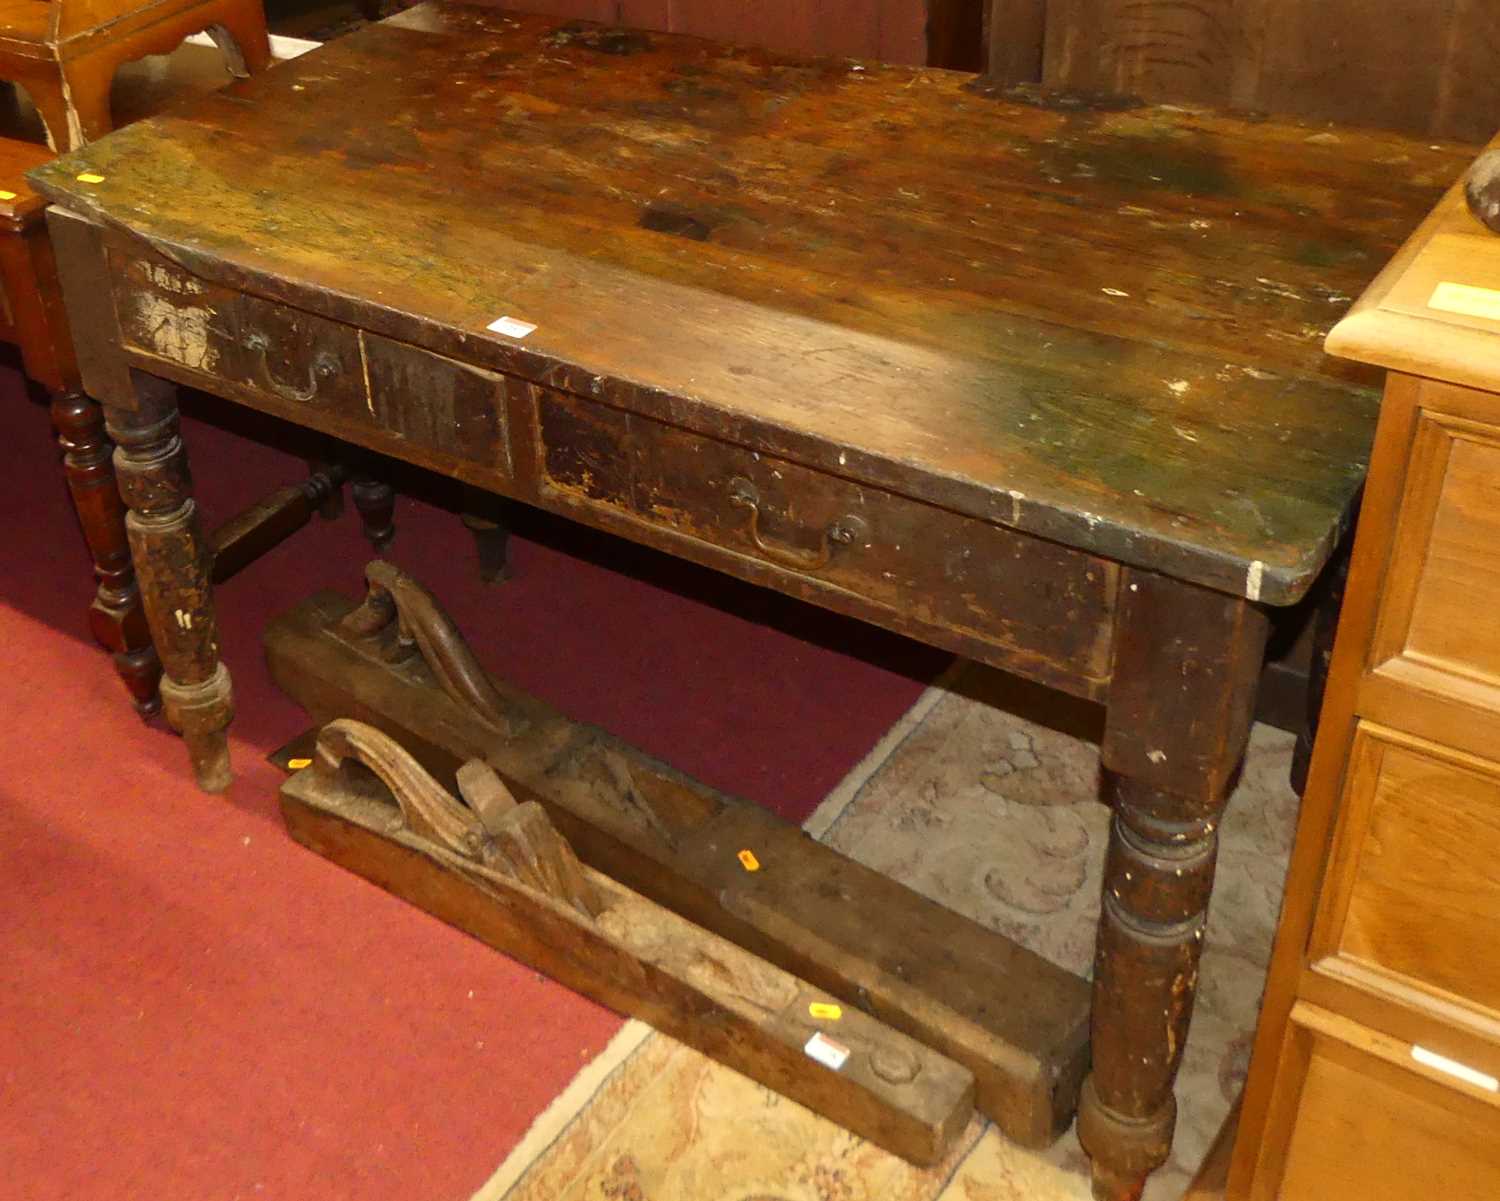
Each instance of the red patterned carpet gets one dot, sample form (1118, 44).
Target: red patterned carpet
(191, 1006)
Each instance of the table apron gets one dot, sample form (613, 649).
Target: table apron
(993, 594)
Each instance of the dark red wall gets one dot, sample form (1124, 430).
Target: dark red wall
(893, 30)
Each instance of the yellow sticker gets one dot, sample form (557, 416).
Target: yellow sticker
(298, 764)
(822, 1009)
(4, 195)
(90, 177)
(748, 861)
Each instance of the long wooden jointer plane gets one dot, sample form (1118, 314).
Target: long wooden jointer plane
(500, 871)
(396, 661)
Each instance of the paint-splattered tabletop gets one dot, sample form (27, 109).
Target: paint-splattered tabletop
(1098, 322)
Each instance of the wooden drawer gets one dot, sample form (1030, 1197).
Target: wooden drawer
(1359, 1117)
(1412, 899)
(289, 362)
(937, 570)
(1445, 561)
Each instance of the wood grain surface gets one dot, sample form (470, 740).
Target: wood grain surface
(1426, 66)
(1101, 326)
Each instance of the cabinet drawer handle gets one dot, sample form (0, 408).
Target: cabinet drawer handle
(324, 366)
(841, 531)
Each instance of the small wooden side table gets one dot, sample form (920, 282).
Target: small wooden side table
(32, 317)
(65, 52)
(1376, 1074)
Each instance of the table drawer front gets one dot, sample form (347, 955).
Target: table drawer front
(287, 355)
(1414, 888)
(1360, 1120)
(437, 402)
(934, 566)
(290, 362)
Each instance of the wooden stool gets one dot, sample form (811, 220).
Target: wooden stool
(65, 52)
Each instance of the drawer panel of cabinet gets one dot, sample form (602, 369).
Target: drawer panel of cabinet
(941, 570)
(1413, 888)
(1438, 615)
(318, 371)
(1353, 1122)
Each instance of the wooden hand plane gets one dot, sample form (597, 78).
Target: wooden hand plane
(397, 661)
(500, 871)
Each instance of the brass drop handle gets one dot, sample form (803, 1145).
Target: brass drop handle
(842, 531)
(324, 366)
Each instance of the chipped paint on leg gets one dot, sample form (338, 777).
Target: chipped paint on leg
(1253, 580)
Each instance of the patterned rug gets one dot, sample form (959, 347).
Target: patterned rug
(985, 798)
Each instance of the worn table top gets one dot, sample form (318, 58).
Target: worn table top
(1099, 323)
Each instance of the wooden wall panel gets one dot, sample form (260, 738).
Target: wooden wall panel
(891, 30)
(956, 33)
(1152, 48)
(1014, 31)
(583, 10)
(1424, 66)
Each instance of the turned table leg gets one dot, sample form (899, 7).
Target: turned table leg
(1179, 712)
(331, 507)
(484, 519)
(116, 617)
(375, 501)
(1157, 879)
(173, 562)
(1325, 625)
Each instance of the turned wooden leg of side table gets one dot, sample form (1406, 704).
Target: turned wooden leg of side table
(375, 500)
(173, 564)
(239, 31)
(1179, 713)
(484, 517)
(116, 617)
(1325, 624)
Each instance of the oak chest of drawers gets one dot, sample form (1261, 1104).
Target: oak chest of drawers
(1376, 1064)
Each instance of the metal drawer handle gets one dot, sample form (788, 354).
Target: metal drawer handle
(842, 531)
(324, 366)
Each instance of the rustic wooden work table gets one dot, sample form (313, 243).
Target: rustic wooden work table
(1039, 381)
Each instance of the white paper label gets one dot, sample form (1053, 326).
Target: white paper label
(827, 1052)
(1453, 1068)
(1466, 300)
(512, 327)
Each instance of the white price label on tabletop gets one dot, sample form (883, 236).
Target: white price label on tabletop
(827, 1052)
(511, 327)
